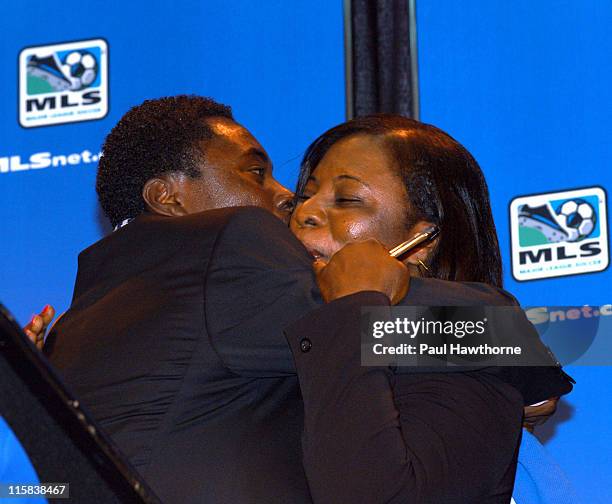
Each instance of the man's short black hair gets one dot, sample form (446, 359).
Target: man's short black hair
(156, 137)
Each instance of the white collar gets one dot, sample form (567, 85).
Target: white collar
(124, 222)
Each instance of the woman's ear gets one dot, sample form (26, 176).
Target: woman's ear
(420, 255)
(163, 196)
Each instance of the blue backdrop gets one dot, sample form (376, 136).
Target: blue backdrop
(279, 64)
(524, 86)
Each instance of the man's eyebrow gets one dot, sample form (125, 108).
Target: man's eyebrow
(255, 152)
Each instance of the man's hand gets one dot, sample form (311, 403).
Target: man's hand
(537, 415)
(362, 266)
(37, 327)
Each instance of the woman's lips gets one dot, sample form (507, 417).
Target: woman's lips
(317, 248)
(315, 253)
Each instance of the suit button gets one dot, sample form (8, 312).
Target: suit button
(305, 345)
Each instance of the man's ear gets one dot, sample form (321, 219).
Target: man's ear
(422, 253)
(163, 195)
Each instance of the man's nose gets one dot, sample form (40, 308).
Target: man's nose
(283, 202)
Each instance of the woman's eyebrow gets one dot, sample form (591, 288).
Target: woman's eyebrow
(351, 177)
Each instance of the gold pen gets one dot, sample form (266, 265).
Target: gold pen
(425, 235)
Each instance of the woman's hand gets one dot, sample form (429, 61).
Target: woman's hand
(362, 266)
(37, 327)
(537, 415)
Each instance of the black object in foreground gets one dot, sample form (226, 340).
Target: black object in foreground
(61, 440)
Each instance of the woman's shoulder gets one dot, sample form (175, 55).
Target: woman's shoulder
(436, 292)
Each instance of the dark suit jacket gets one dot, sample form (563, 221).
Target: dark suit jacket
(174, 340)
(413, 435)
(373, 436)
(535, 383)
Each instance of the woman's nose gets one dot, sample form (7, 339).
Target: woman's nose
(309, 214)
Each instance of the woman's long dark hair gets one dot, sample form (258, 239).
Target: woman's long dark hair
(445, 186)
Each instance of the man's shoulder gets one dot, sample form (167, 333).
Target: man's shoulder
(235, 236)
(160, 243)
(153, 229)
(207, 221)
(436, 292)
(244, 220)
(253, 236)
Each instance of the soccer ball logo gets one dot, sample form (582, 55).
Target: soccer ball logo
(63, 83)
(81, 68)
(72, 71)
(572, 220)
(559, 233)
(577, 218)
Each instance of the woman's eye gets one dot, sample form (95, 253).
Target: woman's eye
(347, 201)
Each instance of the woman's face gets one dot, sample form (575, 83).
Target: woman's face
(353, 194)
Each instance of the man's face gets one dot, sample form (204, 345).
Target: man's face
(236, 171)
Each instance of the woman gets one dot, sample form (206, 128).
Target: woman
(388, 177)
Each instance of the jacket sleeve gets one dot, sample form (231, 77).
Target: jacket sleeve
(535, 382)
(259, 280)
(371, 436)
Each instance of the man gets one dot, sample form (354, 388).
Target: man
(199, 392)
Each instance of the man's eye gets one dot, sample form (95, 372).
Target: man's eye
(259, 171)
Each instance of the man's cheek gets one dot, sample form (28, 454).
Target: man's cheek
(252, 194)
(266, 199)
